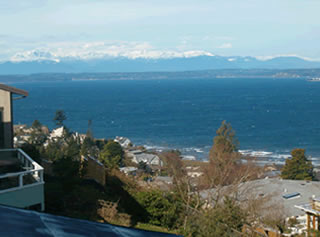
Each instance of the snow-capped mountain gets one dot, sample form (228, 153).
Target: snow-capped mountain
(138, 60)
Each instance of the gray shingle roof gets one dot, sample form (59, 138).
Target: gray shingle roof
(276, 188)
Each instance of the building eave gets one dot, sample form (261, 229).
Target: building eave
(13, 90)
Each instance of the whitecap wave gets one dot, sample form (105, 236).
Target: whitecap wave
(268, 157)
(264, 154)
(198, 150)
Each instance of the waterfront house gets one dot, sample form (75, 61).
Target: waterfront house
(140, 156)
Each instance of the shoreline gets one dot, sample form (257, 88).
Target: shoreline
(261, 157)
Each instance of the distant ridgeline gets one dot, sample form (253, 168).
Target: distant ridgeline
(204, 74)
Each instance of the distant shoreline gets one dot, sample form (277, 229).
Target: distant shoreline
(201, 74)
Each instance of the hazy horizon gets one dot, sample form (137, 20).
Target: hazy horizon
(151, 29)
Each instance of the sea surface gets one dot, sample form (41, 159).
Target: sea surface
(270, 116)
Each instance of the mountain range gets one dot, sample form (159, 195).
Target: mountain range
(126, 64)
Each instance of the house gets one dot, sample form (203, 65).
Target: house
(7, 95)
(312, 211)
(129, 170)
(123, 141)
(280, 192)
(21, 178)
(60, 132)
(281, 197)
(140, 156)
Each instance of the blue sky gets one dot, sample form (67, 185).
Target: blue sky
(259, 28)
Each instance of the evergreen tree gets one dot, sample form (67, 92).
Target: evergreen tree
(298, 167)
(59, 118)
(112, 154)
(89, 133)
(88, 147)
(36, 124)
(72, 147)
(224, 144)
(37, 136)
(163, 208)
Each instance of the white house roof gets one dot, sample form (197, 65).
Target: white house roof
(58, 132)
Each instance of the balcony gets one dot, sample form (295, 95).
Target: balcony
(21, 180)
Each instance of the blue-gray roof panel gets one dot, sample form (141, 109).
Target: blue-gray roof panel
(19, 222)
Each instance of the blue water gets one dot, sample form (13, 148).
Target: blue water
(269, 115)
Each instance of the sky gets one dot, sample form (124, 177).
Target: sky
(162, 28)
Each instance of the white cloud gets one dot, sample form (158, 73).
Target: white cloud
(225, 46)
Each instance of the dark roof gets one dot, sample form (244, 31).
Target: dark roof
(13, 90)
(20, 222)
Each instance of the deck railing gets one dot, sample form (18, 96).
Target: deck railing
(31, 173)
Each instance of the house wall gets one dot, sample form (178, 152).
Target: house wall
(95, 171)
(6, 129)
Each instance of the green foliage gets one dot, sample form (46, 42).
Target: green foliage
(78, 199)
(71, 147)
(224, 143)
(36, 124)
(65, 146)
(59, 118)
(53, 151)
(88, 147)
(66, 168)
(60, 148)
(37, 136)
(156, 228)
(162, 208)
(33, 151)
(100, 143)
(298, 167)
(223, 220)
(112, 154)
(69, 171)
